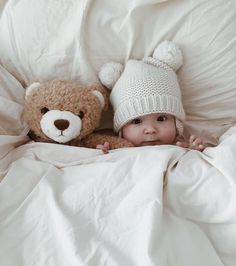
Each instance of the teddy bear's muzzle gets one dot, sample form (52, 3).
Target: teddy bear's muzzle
(61, 126)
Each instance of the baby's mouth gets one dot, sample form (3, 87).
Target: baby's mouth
(151, 142)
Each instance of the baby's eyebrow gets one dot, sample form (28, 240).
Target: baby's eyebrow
(137, 118)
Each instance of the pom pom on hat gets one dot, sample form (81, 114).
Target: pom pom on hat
(169, 53)
(110, 73)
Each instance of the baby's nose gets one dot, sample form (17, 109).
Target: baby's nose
(150, 130)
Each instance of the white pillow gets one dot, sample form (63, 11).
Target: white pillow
(11, 105)
(2, 4)
(47, 39)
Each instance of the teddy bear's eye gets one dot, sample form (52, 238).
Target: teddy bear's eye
(81, 114)
(44, 110)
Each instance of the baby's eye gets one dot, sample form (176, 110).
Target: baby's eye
(136, 121)
(81, 114)
(44, 110)
(161, 118)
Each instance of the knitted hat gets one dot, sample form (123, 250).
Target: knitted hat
(146, 86)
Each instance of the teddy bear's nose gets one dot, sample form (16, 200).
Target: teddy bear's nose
(61, 124)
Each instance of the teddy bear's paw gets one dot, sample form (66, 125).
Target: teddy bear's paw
(121, 143)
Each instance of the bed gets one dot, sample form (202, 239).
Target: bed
(147, 206)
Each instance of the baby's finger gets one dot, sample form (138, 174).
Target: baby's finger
(192, 138)
(181, 144)
(107, 145)
(99, 146)
(198, 141)
(201, 146)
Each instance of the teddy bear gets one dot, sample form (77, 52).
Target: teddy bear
(67, 112)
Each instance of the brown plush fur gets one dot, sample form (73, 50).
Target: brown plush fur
(73, 97)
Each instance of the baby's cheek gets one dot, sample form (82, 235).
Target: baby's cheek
(132, 136)
(172, 132)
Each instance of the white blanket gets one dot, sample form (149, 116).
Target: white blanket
(63, 205)
(73, 206)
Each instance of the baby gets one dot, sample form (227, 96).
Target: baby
(146, 100)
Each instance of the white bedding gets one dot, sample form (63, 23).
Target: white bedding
(62, 205)
(76, 206)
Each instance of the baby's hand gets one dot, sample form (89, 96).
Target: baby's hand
(194, 143)
(104, 147)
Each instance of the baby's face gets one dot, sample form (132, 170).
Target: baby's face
(151, 129)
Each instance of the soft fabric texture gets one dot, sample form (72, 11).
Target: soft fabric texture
(78, 207)
(62, 110)
(146, 87)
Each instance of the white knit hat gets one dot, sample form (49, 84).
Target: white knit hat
(145, 87)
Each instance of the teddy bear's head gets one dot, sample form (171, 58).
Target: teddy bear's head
(63, 111)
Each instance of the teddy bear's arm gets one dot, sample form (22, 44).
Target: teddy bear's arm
(115, 142)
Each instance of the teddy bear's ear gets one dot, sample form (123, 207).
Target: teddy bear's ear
(100, 97)
(110, 73)
(101, 93)
(33, 87)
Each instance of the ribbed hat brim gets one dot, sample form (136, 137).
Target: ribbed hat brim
(133, 108)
